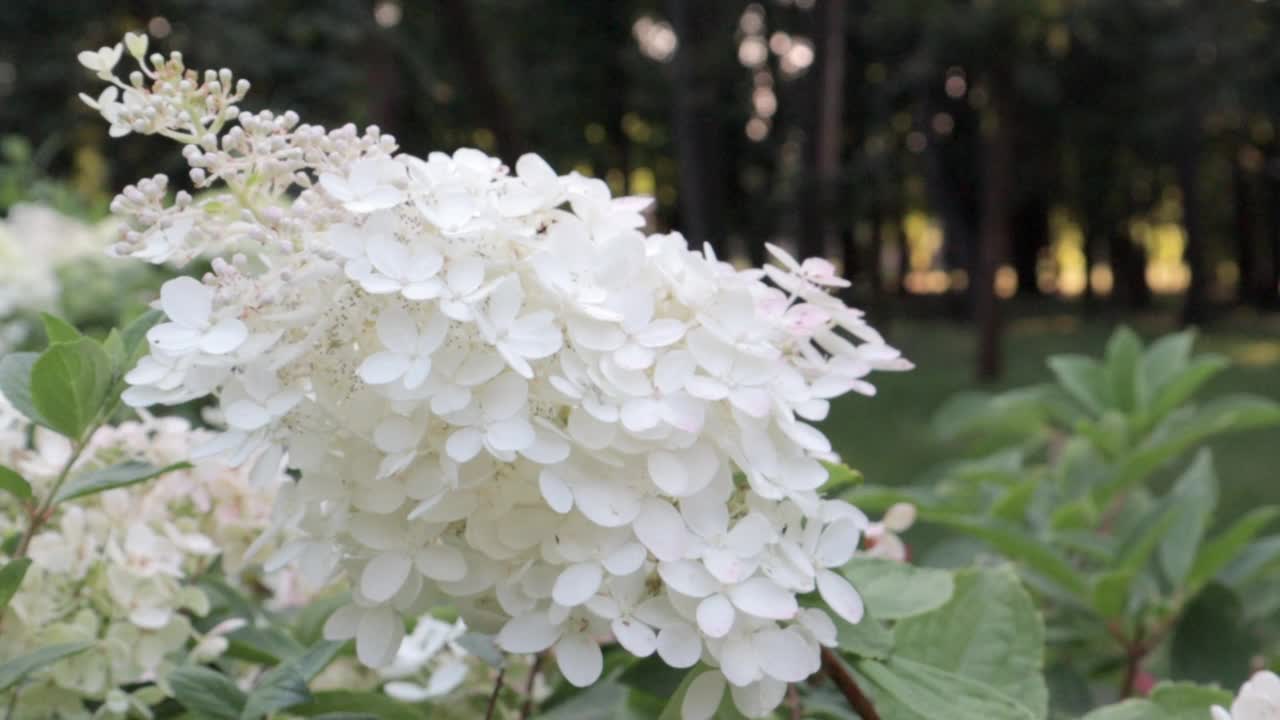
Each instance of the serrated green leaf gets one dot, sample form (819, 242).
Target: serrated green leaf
(909, 690)
(989, 632)
(13, 671)
(69, 385)
(120, 475)
(207, 693)
(11, 576)
(15, 383)
(893, 590)
(14, 484)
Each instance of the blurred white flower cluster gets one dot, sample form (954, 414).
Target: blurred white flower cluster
(1259, 699)
(500, 393)
(34, 242)
(117, 568)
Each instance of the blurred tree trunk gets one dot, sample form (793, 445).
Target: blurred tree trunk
(993, 241)
(493, 110)
(1030, 237)
(615, 19)
(1253, 247)
(1272, 238)
(695, 120)
(1195, 308)
(818, 202)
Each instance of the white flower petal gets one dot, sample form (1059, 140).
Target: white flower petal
(715, 615)
(384, 575)
(378, 636)
(759, 596)
(528, 633)
(635, 637)
(840, 596)
(579, 659)
(662, 530)
(577, 583)
(679, 646)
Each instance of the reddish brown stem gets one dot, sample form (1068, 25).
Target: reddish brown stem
(835, 669)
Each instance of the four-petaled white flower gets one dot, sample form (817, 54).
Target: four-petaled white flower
(371, 184)
(409, 348)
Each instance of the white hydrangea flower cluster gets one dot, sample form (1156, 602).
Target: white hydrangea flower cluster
(501, 394)
(115, 568)
(34, 242)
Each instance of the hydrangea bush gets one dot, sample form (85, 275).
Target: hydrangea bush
(516, 428)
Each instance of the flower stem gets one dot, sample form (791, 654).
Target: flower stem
(493, 699)
(526, 710)
(835, 669)
(41, 513)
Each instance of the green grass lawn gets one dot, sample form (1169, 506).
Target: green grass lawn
(889, 438)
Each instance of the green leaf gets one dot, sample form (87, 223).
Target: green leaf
(69, 385)
(126, 348)
(13, 671)
(652, 675)
(1194, 497)
(1256, 558)
(14, 484)
(207, 693)
(840, 477)
(893, 590)
(120, 475)
(15, 383)
(308, 626)
(1018, 545)
(1163, 361)
(869, 638)
(1212, 642)
(1111, 593)
(600, 701)
(11, 576)
(989, 632)
(134, 337)
(58, 330)
(263, 645)
(1184, 430)
(1184, 384)
(1123, 355)
(1226, 547)
(1083, 379)
(910, 690)
(1169, 701)
(281, 687)
(372, 703)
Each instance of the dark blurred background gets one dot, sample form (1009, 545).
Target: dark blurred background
(1001, 179)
